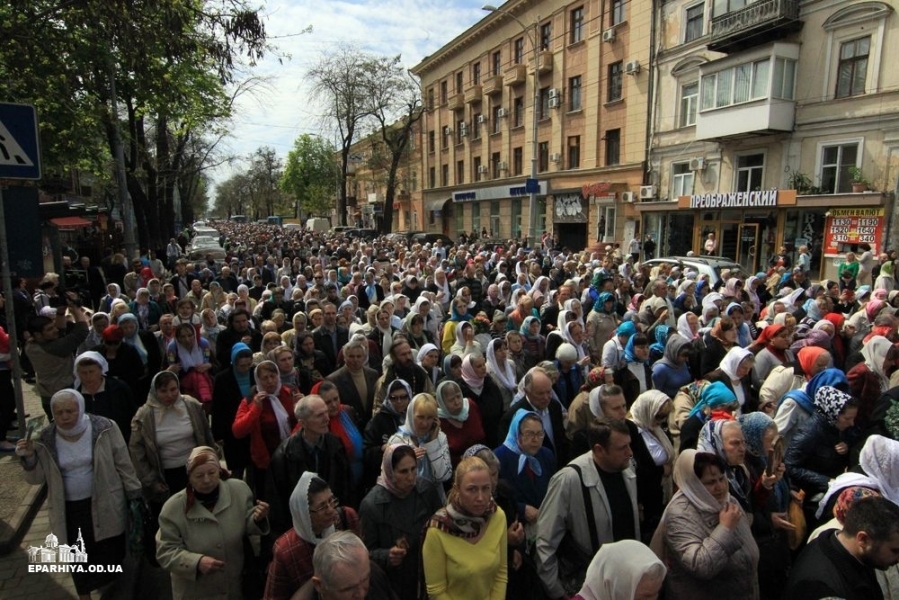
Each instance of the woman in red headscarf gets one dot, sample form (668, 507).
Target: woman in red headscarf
(772, 350)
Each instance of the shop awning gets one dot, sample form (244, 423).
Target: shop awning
(436, 205)
(71, 222)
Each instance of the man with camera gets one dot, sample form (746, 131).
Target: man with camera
(52, 347)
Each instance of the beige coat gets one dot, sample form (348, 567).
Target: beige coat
(780, 380)
(145, 453)
(683, 404)
(114, 480)
(185, 536)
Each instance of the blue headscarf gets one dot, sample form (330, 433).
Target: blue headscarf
(801, 398)
(713, 395)
(243, 380)
(629, 354)
(525, 329)
(628, 328)
(511, 442)
(754, 425)
(600, 304)
(811, 309)
(661, 339)
(805, 398)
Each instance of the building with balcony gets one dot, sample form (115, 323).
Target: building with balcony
(581, 71)
(785, 95)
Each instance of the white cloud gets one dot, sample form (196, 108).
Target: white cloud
(281, 111)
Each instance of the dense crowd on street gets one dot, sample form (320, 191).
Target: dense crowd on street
(325, 417)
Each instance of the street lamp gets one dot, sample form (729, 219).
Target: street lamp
(532, 186)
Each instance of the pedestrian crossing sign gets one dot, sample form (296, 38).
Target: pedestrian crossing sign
(20, 153)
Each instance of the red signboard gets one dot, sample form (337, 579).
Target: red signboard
(846, 226)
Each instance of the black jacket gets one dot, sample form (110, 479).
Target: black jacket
(349, 395)
(226, 340)
(377, 432)
(226, 398)
(323, 342)
(115, 402)
(825, 569)
(560, 448)
(811, 458)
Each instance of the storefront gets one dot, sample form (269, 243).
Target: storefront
(499, 211)
(751, 227)
(570, 219)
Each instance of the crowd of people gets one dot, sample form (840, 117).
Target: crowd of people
(323, 417)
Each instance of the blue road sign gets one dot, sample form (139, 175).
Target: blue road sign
(20, 152)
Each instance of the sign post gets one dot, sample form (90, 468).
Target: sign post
(20, 158)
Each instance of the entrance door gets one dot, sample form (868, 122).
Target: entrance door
(572, 235)
(748, 247)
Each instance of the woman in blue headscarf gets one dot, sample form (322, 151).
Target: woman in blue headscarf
(636, 376)
(657, 350)
(534, 342)
(797, 406)
(716, 401)
(526, 464)
(228, 389)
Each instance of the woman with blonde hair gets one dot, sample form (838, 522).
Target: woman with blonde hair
(465, 548)
(421, 430)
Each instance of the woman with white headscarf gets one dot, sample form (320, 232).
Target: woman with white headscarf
(879, 459)
(104, 396)
(502, 370)
(421, 430)
(704, 535)
(427, 358)
(316, 513)
(654, 455)
(465, 343)
(383, 424)
(868, 380)
(734, 373)
(84, 462)
(623, 570)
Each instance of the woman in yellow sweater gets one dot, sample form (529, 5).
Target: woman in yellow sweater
(465, 547)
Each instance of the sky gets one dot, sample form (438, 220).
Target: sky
(280, 110)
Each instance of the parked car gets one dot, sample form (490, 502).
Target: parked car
(203, 241)
(707, 265)
(361, 234)
(420, 237)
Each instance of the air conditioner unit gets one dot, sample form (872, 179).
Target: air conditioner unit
(627, 197)
(555, 157)
(608, 35)
(463, 129)
(482, 169)
(647, 192)
(555, 102)
(447, 131)
(481, 119)
(697, 164)
(632, 67)
(502, 166)
(554, 93)
(501, 113)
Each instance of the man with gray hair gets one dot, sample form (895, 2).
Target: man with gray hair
(343, 571)
(310, 448)
(660, 300)
(355, 381)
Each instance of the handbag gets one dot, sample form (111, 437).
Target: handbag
(572, 558)
(796, 516)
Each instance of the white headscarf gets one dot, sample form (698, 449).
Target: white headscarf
(617, 570)
(505, 373)
(731, 362)
(299, 511)
(875, 352)
(83, 421)
(843, 481)
(879, 458)
(643, 413)
(89, 355)
(275, 402)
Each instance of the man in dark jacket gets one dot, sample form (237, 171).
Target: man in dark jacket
(841, 564)
(356, 382)
(311, 448)
(238, 330)
(330, 337)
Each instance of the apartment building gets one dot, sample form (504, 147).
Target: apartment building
(581, 71)
(767, 116)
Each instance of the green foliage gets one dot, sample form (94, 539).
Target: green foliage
(310, 174)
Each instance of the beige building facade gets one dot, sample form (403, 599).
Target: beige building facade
(774, 95)
(584, 67)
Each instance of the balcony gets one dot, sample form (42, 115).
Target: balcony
(493, 85)
(758, 23)
(473, 94)
(768, 116)
(545, 62)
(517, 75)
(456, 102)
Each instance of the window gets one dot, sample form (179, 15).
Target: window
(432, 177)
(607, 223)
(443, 92)
(460, 171)
(576, 29)
(517, 161)
(494, 218)
(494, 163)
(476, 217)
(544, 103)
(497, 111)
(444, 139)
(613, 147)
(853, 67)
(784, 78)
(459, 82)
(516, 218)
(497, 62)
(476, 126)
(461, 126)
(431, 143)
(574, 93)
(689, 94)
(476, 73)
(518, 54)
(430, 98)
(543, 156)
(681, 180)
(574, 152)
(444, 175)
(694, 20)
(744, 83)
(616, 12)
(518, 111)
(750, 172)
(459, 213)
(616, 81)
(546, 36)
(476, 168)
(835, 163)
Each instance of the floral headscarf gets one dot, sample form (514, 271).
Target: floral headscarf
(754, 425)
